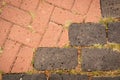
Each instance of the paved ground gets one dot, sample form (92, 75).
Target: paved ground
(28, 24)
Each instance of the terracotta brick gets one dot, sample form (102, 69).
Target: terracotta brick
(8, 56)
(1, 3)
(23, 60)
(81, 6)
(16, 3)
(51, 36)
(29, 5)
(4, 29)
(24, 36)
(94, 13)
(62, 16)
(15, 15)
(67, 4)
(55, 2)
(64, 39)
(42, 16)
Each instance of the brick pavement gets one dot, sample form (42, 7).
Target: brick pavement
(27, 24)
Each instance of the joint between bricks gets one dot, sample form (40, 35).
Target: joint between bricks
(15, 58)
(59, 37)
(47, 25)
(8, 34)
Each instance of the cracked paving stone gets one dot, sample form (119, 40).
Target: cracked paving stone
(68, 77)
(55, 58)
(87, 34)
(24, 77)
(95, 59)
(114, 32)
(106, 78)
(110, 8)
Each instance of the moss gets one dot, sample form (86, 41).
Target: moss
(1, 72)
(113, 46)
(105, 21)
(97, 46)
(29, 72)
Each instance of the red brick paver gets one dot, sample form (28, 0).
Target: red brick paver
(15, 15)
(27, 24)
(4, 30)
(51, 36)
(24, 36)
(29, 5)
(81, 6)
(8, 56)
(66, 4)
(16, 3)
(68, 16)
(94, 13)
(23, 60)
(63, 39)
(42, 16)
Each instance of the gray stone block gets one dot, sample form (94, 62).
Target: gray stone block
(110, 8)
(55, 58)
(12, 76)
(86, 34)
(24, 77)
(114, 32)
(100, 59)
(34, 77)
(106, 78)
(68, 77)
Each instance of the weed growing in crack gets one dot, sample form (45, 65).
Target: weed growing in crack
(67, 46)
(31, 29)
(0, 11)
(105, 21)
(98, 46)
(113, 46)
(1, 50)
(67, 24)
(4, 3)
(32, 14)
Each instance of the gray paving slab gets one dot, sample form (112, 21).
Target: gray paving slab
(86, 34)
(100, 59)
(110, 8)
(55, 58)
(114, 32)
(68, 77)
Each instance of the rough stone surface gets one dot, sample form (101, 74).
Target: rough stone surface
(12, 76)
(24, 77)
(100, 59)
(114, 32)
(106, 78)
(55, 58)
(87, 34)
(68, 77)
(110, 8)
